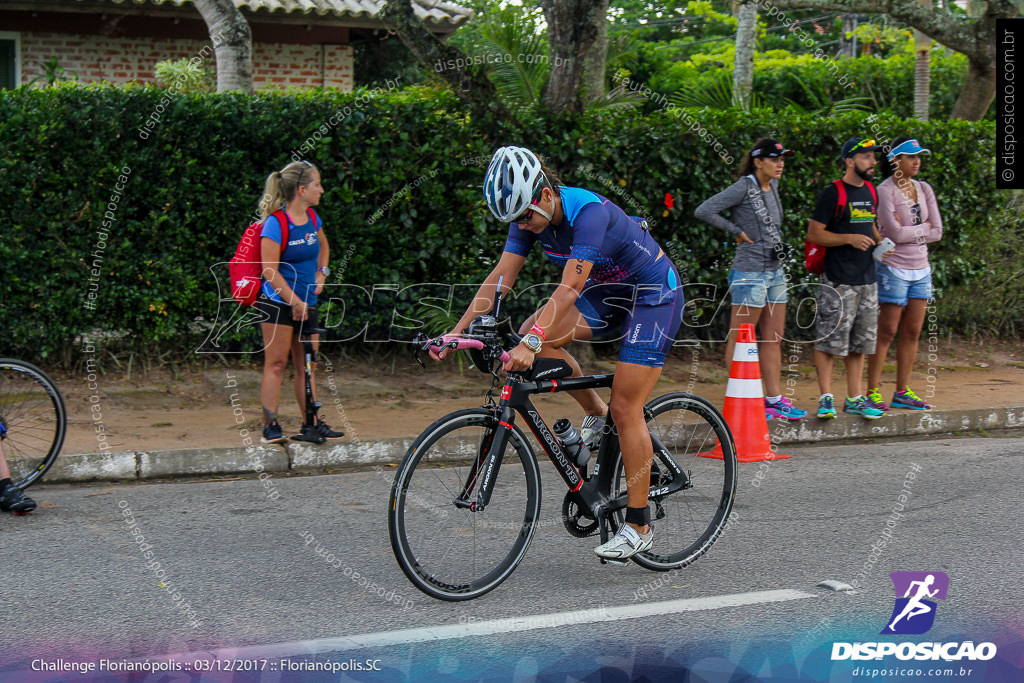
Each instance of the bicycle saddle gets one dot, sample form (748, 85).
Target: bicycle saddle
(548, 368)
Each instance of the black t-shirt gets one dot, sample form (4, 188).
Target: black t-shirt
(846, 265)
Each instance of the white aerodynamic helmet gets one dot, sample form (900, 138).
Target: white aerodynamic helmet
(511, 181)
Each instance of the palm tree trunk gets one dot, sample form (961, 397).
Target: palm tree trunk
(572, 31)
(743, 65)
(232, 43)
(597, 60)
(922, 84)
(922, 71)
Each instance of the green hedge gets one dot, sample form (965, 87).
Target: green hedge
(887, 83)
(194, 184)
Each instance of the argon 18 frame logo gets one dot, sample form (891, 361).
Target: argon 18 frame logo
(556, 449)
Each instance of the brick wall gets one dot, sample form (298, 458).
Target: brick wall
(123, 60)
(302, 66)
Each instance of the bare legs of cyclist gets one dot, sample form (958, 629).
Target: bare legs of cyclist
(631, 388)
(567, 329)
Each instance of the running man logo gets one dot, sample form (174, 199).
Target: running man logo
(913, 613)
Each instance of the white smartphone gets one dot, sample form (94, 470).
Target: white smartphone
(882, 249)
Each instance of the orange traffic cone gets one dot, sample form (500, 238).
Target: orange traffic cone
(744, 404)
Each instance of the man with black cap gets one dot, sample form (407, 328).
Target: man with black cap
(844, 222)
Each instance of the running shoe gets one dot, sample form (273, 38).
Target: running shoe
(783, 408)
(591, 430)
(325, 431)
(13, 500)
(626, 543)
(875, 399)
(907, 399)
(826, 407)
(860, 405)
(273, 433)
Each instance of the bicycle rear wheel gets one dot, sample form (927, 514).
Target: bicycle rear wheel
(32, 420)
(450, 552)
(689, 521)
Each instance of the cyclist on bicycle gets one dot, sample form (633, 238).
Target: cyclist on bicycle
(615, 280)
(11, 497)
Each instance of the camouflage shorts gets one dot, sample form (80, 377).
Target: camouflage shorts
(847, 318)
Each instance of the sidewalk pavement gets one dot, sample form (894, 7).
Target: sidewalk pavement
(293, 456)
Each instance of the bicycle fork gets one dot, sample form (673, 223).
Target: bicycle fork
(488, 461)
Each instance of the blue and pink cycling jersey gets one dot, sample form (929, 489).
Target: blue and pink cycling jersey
(630, 291)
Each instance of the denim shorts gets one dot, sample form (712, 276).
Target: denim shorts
(892, 289)
(758, 288)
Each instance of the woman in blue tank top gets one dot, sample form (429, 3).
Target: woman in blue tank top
(616, 282)
(294, 272)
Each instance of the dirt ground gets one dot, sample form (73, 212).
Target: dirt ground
(368, 400)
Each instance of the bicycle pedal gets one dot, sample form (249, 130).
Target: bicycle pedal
(620, 563)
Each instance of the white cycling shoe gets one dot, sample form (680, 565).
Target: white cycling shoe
(626, 543)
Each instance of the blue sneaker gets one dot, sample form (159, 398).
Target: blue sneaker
(859, 405)
(826, 408)
(783, 408)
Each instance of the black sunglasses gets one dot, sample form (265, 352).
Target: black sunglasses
(524, 217)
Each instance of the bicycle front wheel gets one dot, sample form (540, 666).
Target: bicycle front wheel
(32, 421)
(687, 522)
(447, 550)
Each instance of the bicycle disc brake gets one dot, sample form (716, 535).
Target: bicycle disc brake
(573, 518)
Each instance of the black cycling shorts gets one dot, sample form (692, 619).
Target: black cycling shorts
(277, 313)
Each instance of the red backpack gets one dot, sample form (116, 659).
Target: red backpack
(814, 254)
(246, 267)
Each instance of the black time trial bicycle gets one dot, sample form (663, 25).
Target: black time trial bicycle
(465, 502)
(33, 421)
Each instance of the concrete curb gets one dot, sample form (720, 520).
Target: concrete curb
(137, 465)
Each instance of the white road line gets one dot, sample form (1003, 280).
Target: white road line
(494, 626)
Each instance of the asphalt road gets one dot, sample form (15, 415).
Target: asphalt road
(238, 569)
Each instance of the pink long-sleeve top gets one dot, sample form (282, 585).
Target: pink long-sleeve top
(896, 221)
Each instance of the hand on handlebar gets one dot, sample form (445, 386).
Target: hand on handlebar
(440, 353)
(438, 348)
(520, 358)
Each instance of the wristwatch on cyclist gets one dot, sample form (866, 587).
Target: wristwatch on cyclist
(532, 342)
(325, 270)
